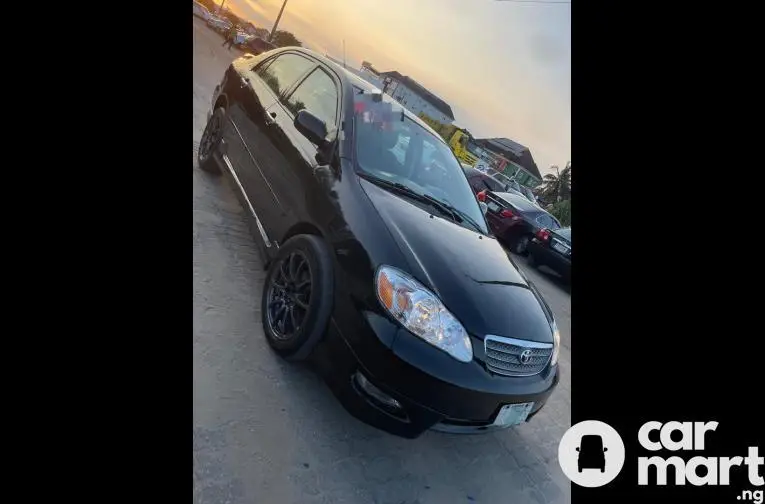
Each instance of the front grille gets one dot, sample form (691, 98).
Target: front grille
(506, 356)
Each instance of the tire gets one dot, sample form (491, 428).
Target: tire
(602, 469)
(531, 259)
(211, 138)
(520, 246)
(295, 316)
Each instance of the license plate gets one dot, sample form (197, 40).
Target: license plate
(560, 248)
(513, 414)
(493, 206)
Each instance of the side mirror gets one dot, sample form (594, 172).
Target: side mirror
(484, 207)
(605, 449)
(311, 127)
(577, 448)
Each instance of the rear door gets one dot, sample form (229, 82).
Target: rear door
(475, 183)
(267, 81)
(292, 179)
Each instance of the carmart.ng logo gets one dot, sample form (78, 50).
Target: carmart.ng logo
(591, 454)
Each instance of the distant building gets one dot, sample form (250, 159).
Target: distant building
(415, 97)
(512, 159)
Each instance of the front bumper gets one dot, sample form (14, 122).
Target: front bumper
(434, 390)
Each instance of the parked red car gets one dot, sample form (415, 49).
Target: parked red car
(515, 220)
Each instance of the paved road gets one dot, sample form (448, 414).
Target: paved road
(266, 431)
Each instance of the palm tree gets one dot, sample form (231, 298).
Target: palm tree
(557, 185)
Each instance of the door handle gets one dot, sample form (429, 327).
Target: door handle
(270, 117)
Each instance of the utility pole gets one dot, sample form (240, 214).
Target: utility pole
(344, 53)
(220, 9)
(276, 23)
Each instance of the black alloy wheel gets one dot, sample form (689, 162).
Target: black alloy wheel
(297, 299)
(530, 259)
(289, 296)
(521, 245)
(210, 140)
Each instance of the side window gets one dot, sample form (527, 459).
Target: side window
(284, 70)
(546, 221)
(491, 185)
(317, 94)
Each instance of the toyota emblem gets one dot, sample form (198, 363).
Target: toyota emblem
(525, 356)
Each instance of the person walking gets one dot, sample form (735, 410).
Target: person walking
(231, 36)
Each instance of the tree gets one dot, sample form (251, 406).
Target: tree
(562, 211)
(284, 38)
(557, 186)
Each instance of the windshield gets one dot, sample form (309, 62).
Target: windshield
(395, 148)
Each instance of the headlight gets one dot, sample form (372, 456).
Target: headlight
(422, 313)
(556, 344)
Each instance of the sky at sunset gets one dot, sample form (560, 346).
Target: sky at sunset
(504, 67)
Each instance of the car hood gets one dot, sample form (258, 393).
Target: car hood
(472, 274)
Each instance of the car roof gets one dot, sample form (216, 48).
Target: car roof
(520, 201)
(469, 170)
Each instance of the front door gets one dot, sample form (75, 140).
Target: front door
(265, 83)
(292, 177)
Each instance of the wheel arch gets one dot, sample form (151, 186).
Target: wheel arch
(221, 101)
(302, 228)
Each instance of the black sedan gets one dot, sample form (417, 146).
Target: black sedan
(552, 248)
(514, 219)
(381, 267)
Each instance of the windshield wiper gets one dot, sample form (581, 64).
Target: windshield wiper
(462, 215)
(443, 207)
